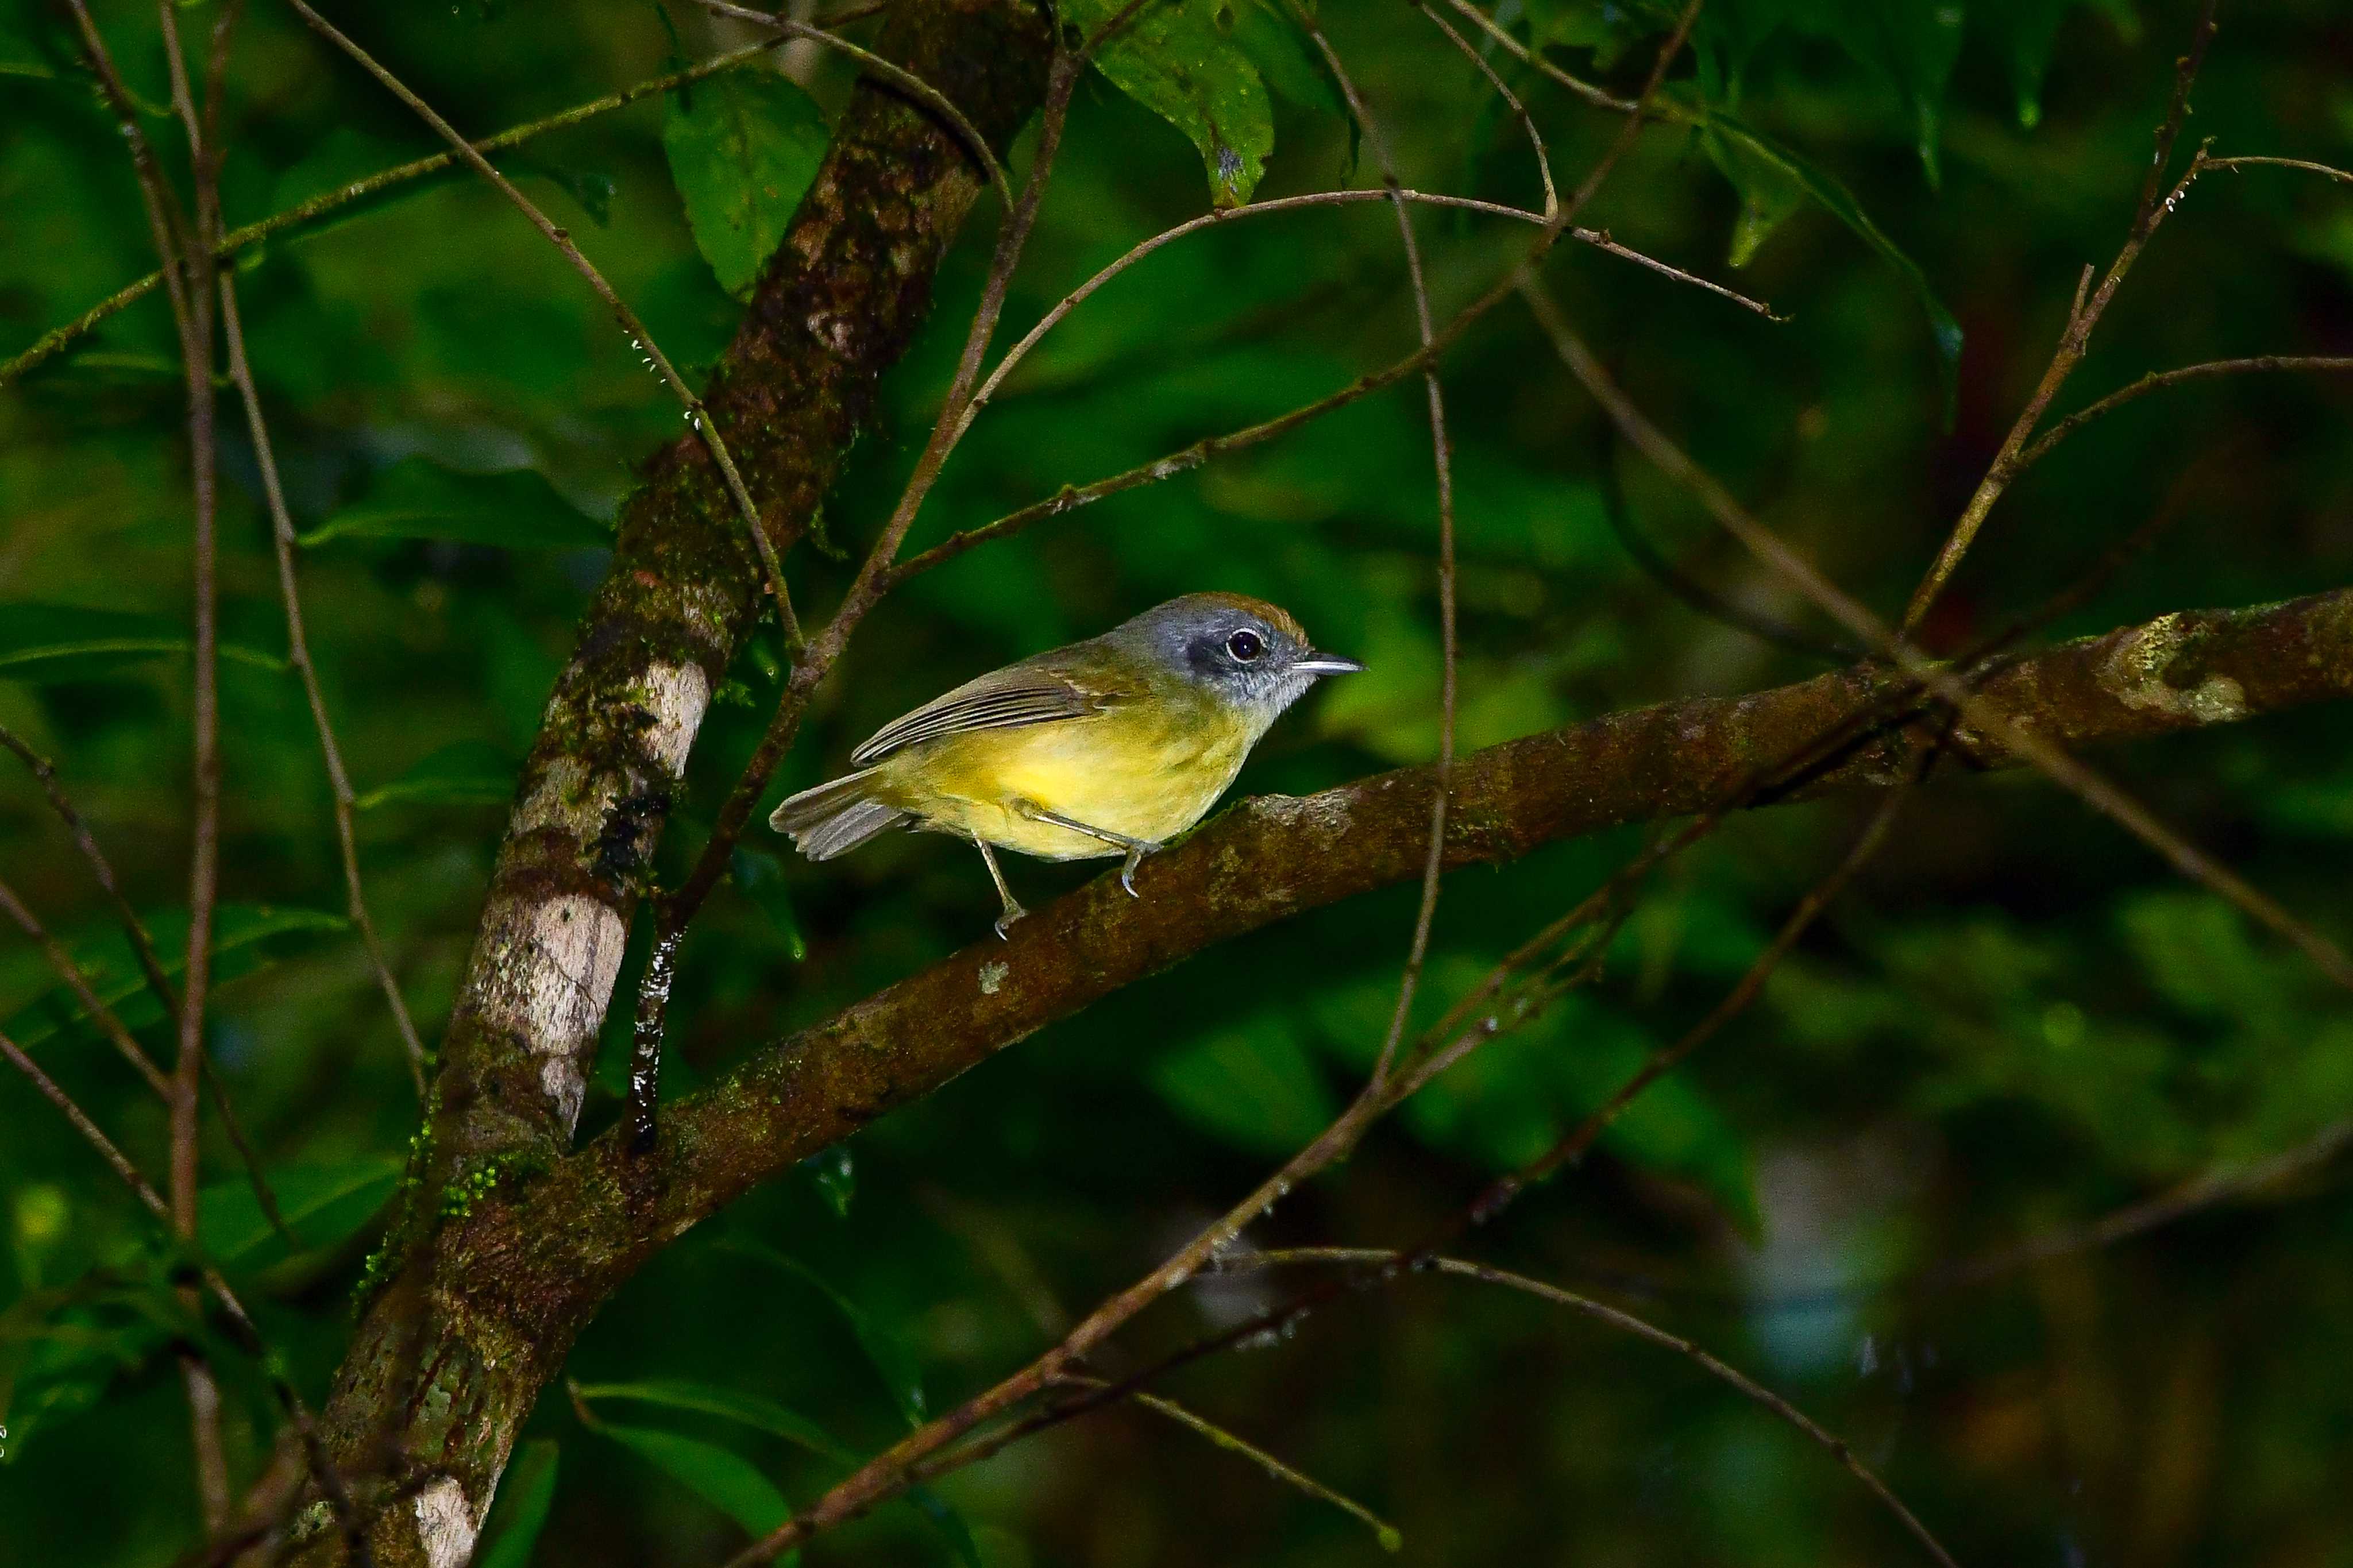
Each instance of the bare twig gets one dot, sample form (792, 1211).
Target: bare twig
(298, 654)
(1751, 985)
(1681, 585)
(1600, 98)
(640, 337)
(893, 1469)
(2030, 745)
(1624, 1321)
(109, 1022)
(1072, 496)
(2157, 379)
(239, 239)
(675, 911)
(249, 1338)
(1383, 1530)
(186, 263)
(2155, 203)
(1597, 238)
(142, 947)
(1425, 911)
(90, 1132)
(2309, 167)
(1479, 1017)
(1527, 121)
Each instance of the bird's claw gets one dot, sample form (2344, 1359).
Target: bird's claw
(1012, 913)
(1135, 855)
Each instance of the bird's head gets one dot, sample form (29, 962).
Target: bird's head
(1248, 655)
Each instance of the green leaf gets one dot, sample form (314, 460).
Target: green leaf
(2027, 31)
(1768, 193)
(885, 1348)
(1758, 152)
(1178, 58)
(62, 1350)
(244, 939)
(835, 1178)
(25, 46)
(1254, 1087)
(463, 773)
(724, 1479)
(728, 1403)
(45, 645)
(1288, 60)
(322, 1205)
(418, 499)
(760, 876)
(521, 1513)
(766, 1415)
(743, 151)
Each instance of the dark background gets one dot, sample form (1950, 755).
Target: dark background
(2017, 1022)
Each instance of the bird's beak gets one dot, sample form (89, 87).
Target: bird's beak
(1327, 663)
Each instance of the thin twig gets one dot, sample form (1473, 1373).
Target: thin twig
(2158, 380)
(151, 967)
(2155, 203)
(2309, 167)
(1626, 1322)
(1383, 1530)
(298, 654)
(1693, 593)
(142, 947)
(1470, 1030)
(1527, 121)
(109, 1023)
(189, 276)
(239, 239)
(675, 911)
(893, 1469)
(247, 1336)
(2030, 745)
(1073, 496)
(640, 337)
(1598, 239)
(1434, 860)
(1600, 98)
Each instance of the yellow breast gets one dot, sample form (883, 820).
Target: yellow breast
(1146, 770)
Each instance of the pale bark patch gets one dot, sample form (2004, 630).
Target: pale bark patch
(549, 985)
(2137, 672)
(446, 1524)
(676, 695)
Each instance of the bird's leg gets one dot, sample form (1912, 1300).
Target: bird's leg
(1137, 848)
(1013, 910)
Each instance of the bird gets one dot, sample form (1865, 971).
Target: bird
(1106, 747)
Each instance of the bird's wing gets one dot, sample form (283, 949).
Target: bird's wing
(1008, 698)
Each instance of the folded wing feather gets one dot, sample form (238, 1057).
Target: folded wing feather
(1002, 699)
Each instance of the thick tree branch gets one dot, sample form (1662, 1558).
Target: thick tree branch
(1275, 856)
(446, 1362)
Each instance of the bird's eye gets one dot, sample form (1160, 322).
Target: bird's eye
(1245, 645)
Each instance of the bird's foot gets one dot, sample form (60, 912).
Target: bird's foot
(1013, 912)
(1136, 854)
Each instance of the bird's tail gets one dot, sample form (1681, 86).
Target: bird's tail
(835, 817)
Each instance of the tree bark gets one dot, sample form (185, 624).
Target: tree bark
(453, 1346)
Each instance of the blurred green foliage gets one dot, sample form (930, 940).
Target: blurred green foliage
(2017, 1020)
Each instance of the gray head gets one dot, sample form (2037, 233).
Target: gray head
(1248, 653)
